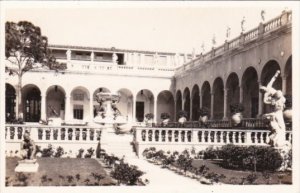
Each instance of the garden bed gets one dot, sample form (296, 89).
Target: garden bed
(59, 172)
(240, 177)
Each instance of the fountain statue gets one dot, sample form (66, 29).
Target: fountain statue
(109, 116)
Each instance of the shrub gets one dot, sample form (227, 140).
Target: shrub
(182, 114)
(90, 153)
(80, 153)
(252, 158)
(59, 152)
(126, 174)
(211, 153)
(236, 108)
(203, 111)
(149, 116)
(48, 152)
(165, 116)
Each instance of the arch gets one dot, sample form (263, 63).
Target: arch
(31, 100)
(178, 103)
(288, 77)
(80, 103)
(165, 104)
(187, 101)
(267, 73)
(218, 90)
(55, 101)
(10, 102)
(144, 104)
(206, 95)
(195, 102)
(125, 104)
(233, 90)
(250, 92)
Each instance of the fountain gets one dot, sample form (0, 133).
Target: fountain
(109, 116)
(110, 119)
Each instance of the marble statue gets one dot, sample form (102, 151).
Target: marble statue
(276, 99)
(28, 148)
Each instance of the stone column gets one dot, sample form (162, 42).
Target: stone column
(225, 103)
(133, 109)
(260, 102)
(155, 109)
(241, 94)
(91, 109)
(284, 85)
(43, 106)
(212, 105)
(68, 114)
(191, 108)
(200, 99)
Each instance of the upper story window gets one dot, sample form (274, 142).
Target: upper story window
(162, 60)
(149, 59)
(81, 55)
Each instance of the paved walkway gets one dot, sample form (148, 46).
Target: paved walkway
(164, 178)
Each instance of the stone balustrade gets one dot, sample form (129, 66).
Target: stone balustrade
(110, 68)
(200, 138)
(71, 138)
(253, 34)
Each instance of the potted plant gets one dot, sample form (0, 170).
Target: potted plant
(287, 113)
(203, 114)
(182, 116)
(149, 118)
(165, 118)
(236, 110)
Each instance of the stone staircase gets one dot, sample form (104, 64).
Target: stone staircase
(119, 145)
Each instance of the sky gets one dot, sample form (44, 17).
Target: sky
(154, 26)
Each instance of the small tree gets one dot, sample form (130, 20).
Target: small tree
(26, 49)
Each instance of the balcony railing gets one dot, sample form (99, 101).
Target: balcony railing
(272, 25)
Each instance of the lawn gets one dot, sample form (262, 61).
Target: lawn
(59, 172)
(237, 176)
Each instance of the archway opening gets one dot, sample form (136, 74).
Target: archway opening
(218, 90)
(178, 103)
(31, 100)
(206, 96)
(55, 102)
(187, 102)
(195, 103)
(10, 102)
(144, 104)
(165, 104)
(250, 92)
(233, 91)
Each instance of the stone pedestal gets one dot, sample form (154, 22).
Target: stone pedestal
(27, 166)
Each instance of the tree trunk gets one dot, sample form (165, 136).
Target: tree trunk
(19, 111)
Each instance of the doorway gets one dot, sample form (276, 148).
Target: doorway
(140, 111)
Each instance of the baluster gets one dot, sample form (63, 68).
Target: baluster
(59, 134)
(73, 134)
(43, 133)
(240, 137)
(258, 136)
(88, 134)
(227, 137)
(51, 133)
(255, 137)
(8, 133)
(81, 134)
(233, 137)
(203, 136)
(208, 137)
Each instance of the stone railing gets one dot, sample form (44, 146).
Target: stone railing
(263, 28)
(110, 68)
(200, 138)
(71, 138)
